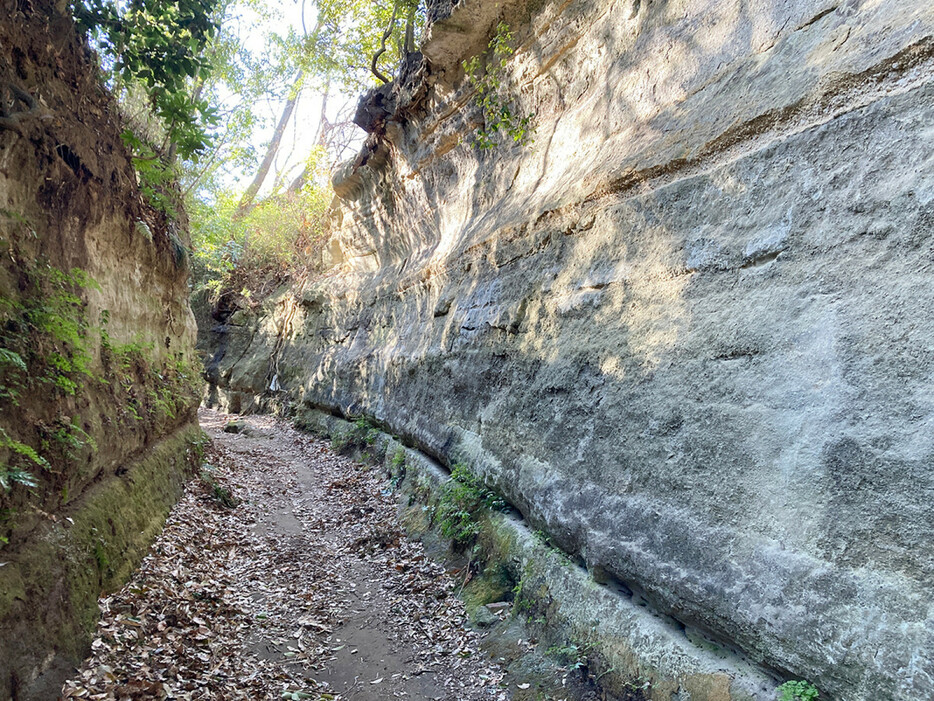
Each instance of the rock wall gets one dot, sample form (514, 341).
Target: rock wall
(98, 378)
(686, 331)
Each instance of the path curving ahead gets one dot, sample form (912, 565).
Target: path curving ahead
(307, 589)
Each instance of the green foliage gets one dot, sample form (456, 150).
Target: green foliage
(43, 348)
(237, 246)
(486, 74)
(364, 431)
(397, 467)
(640, 685)
(149, 390)
(19, 219)
(278, 236)
(154, 58)
(241, 80)
(11, 359)
(462, 501)
(46, 348)
(349, 35)
(572, 655)
(521, 602)
(221, 495)
(43, 335)
(398, 460)
(67, 438)
(19, 453)
(798, 691)
(257, 63)
(340, 441)
(362, 435)
(158, 45)
(12, 368)
(156, 177)
(197, 448)
(99, 551)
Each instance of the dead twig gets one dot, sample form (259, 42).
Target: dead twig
(467, 576)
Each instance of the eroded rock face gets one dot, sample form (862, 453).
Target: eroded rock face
(687, 332)
(98, 374)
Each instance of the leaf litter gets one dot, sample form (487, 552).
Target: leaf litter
(306, 589)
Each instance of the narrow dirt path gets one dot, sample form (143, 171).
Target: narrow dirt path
(306, 589)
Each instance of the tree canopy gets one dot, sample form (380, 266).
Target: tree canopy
(160, 46)
(209, 90)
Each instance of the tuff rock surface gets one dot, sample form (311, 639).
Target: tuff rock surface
(687, 332)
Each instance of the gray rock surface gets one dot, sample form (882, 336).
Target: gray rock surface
(687, 332)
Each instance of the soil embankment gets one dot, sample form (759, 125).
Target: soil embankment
(99, 381)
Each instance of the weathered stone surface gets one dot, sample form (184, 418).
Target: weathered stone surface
(687, 332)
(628, 644)
(482, 617)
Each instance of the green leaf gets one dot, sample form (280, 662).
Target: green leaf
(8, 357)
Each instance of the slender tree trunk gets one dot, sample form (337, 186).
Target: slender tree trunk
(250, 195)
(247, 200)
(410, 31)
(324, 126)
(321, 138)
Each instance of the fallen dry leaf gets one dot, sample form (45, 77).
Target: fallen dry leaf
(298, 592)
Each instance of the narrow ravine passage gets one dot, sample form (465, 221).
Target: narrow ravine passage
(305, 589)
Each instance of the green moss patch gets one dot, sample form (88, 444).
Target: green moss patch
(51, 582)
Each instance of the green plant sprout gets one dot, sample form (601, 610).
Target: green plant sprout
(798, 691)
(463, 498)
(499, 114)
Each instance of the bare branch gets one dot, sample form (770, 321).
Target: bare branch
(374, 69)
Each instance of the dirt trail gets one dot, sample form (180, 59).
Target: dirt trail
(306, 589)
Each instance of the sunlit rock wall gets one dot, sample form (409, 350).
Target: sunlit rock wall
(688, 331)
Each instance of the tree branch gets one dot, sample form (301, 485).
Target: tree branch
(374, 69)
(10, 93)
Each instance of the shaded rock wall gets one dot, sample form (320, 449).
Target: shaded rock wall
(687, 332)
(98, 373)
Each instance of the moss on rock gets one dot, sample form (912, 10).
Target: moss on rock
(50, 584)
